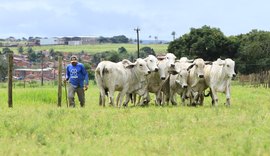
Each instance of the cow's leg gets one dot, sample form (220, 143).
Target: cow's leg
(167, 98)
(201, 98)
(183, 96)
(127, 100)
(172, 97)
(102, 97)
(158, 98)
(121, 95)
(134, 98)
(214, 97)
(228, 95)
(139, 100)
(111, 96)
(117, 99)
(146, 98)
(193, 98)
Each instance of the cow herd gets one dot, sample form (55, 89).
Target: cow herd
(165, 77)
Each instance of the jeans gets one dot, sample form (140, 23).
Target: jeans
(71, 93)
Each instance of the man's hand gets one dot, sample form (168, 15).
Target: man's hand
(85, 87)
(65, 81)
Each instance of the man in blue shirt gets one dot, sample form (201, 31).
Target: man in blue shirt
(78, 81)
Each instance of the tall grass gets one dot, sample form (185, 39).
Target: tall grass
(36, 126)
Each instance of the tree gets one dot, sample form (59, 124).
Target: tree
(32, 56)
(119, 39)
(145, 51)
(254, 52)
(206, 42)
(91, 74)
(122, 50)
(3, 68)
(6, 50)
(173, 34)
(20, 50)
(103, 39)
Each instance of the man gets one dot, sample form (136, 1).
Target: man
(78, 81)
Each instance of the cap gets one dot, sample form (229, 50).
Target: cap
(73, 59)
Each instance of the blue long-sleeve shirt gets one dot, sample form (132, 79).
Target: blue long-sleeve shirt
(77, 75)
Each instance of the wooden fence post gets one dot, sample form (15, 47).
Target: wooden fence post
(10, 73)
(59, 80)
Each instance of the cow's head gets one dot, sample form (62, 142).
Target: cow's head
(170, 59)
(151, 62)
(185, 60)
(163, 69)
(229, 68)
(181, 78)
(141, 67)
(198, 67)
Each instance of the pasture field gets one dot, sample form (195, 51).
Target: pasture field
(36, 126)
(95, 48)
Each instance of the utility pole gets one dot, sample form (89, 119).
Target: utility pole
(138, 41)
(10, 72)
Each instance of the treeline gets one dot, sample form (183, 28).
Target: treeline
(114, 39)
(251, 51)
(122, 53)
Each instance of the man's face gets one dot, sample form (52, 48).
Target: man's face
(74, 63)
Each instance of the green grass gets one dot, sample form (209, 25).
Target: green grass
(36, 126)
(158, 48)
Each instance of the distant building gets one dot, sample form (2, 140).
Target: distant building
(81, 40)
(35, 74)
(51, 41)
(74, 42)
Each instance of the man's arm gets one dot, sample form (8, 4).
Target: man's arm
(86, 79)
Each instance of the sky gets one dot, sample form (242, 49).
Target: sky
(107, 18)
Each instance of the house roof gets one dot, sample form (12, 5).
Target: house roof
(35, 70)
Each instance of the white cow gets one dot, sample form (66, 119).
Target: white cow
(218, 77)
(155, 80)
(196, 83)
(178, 83)
(151, 62)
(125, 77)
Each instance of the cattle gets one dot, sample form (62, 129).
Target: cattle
(196, 83)
(178, 82)
(218, 77)
(125, 77)
(170, 59)
(151, 62)
(155, 80)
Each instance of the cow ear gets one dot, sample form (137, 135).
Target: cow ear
(190, 67)
(145, 59)
(190, 61)
(126, 62)
(173, 72)
(208, 62)
(130, 66)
